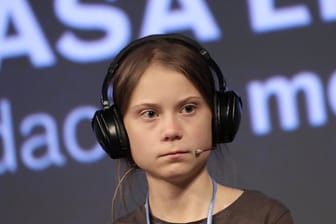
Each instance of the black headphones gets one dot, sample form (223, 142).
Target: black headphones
(108, 123)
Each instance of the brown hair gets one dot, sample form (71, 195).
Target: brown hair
(170, 53)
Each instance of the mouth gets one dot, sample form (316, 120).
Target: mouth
(175, 153)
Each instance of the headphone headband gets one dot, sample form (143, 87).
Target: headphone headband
(169, 37)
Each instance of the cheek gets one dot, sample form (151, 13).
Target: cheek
(135, 139)
(202, 133)
(138, 140)
(140, 151)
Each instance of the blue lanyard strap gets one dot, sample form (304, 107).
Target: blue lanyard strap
(211, 207)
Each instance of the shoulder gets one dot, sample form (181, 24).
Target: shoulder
(136, 216)
(259, 198)
(256, 207)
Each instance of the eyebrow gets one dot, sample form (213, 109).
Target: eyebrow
(179, 103)
(190, 98)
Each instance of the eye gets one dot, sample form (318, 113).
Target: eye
(149, 114)
(189, 108)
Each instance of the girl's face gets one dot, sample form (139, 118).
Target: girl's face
(167, 119)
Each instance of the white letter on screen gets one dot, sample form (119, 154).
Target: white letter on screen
(46, 142)
(264, 17)
(78, 115)
(328, 10)
(112, 21)
(7, 149)
(286, 92)
(28, 40)
(193, 15)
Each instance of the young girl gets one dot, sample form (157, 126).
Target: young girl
(166, 118)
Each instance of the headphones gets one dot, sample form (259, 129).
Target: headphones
(107, 123)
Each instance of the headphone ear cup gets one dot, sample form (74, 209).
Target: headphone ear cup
(227, 116)
(111, 133)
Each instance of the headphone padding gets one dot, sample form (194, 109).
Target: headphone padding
(227, 116)
(110, 132)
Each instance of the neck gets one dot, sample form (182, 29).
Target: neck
(180, 202)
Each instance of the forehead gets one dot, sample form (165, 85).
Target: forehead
(160, 83)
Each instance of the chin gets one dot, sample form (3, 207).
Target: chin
(178, 174)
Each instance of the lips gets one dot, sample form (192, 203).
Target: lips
(175, 153)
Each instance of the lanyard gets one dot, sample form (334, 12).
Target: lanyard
(211, 207)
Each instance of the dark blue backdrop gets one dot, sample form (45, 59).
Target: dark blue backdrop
(279, 55)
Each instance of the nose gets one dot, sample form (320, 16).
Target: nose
(171, 129)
